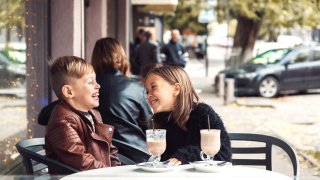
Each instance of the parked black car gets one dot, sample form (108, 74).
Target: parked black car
(291, 69)
(12, 74)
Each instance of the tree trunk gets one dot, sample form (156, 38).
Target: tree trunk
(20, 33)
(244, 39)
(8, 35)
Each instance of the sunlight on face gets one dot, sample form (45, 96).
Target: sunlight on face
(86, 93)
(160, 93)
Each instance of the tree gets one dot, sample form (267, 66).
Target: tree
(12, 16)
(185, 17)
(269, 15)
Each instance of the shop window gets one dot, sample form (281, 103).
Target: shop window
(13, 109)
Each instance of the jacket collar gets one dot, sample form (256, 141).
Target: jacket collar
(114, 72)
(162, 118)
(68, 106)
(172, 42)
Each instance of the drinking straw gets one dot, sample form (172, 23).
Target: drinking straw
(152, 124)
(208, 123)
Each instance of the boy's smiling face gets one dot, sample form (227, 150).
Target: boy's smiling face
(83, 94)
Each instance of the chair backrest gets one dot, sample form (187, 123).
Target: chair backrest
(269, 141)
(125, 160)
(128, 151)
(34, 159)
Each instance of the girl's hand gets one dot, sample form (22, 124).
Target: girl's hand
(174, 161)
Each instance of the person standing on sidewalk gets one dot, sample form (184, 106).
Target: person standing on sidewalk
(174, 51)
(178, 110)
(147, 52)
(134, 67)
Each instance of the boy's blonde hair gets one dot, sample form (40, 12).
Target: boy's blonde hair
(187, 97)
(64, 70)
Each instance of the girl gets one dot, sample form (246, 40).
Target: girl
(177, 109)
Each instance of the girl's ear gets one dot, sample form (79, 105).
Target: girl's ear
(67, 91)
(176, 89)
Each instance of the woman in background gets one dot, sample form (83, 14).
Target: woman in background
(123, 102)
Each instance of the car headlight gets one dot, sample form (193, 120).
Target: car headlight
(247, 75)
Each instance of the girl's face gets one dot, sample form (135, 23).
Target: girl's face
(161, 95)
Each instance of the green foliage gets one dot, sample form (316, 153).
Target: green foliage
(15, 56)
(273, 14)
(12, 13)
(185, 17)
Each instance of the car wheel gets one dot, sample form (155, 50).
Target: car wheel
(268, 87)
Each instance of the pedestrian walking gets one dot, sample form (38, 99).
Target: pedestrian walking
(175, 53)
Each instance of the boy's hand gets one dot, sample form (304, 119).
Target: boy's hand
(174, 161)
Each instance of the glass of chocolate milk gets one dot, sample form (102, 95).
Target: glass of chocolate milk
(210, 143)
(156, 143)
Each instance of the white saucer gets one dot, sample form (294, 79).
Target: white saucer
(147, 166)
(215, 166)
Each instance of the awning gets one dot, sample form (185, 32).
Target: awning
(155, 5)
(154, 2)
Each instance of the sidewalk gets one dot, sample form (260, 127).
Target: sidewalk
(247, 119)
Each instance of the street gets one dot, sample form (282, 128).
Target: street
(292, 117)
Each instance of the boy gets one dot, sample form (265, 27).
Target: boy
(75, 134)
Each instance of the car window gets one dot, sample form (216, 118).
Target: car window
(270, 57)
(301, 57)
(15, 56)
(315, 55)
(3, 59)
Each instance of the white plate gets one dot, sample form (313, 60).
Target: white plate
(205, 166)
(147, 166)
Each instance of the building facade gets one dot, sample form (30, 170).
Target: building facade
(57, 28)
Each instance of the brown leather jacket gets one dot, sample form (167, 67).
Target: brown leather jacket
(70, 140)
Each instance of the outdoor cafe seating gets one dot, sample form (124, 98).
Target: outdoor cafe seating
(35, 161)
(265, 149)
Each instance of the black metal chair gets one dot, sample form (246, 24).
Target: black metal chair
(124, 149)
(35, 161)
(268, 142)
(125, 160)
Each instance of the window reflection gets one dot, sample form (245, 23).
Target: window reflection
(13, 118)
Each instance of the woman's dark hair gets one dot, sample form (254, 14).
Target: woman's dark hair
(108, 56)
(147, 34)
